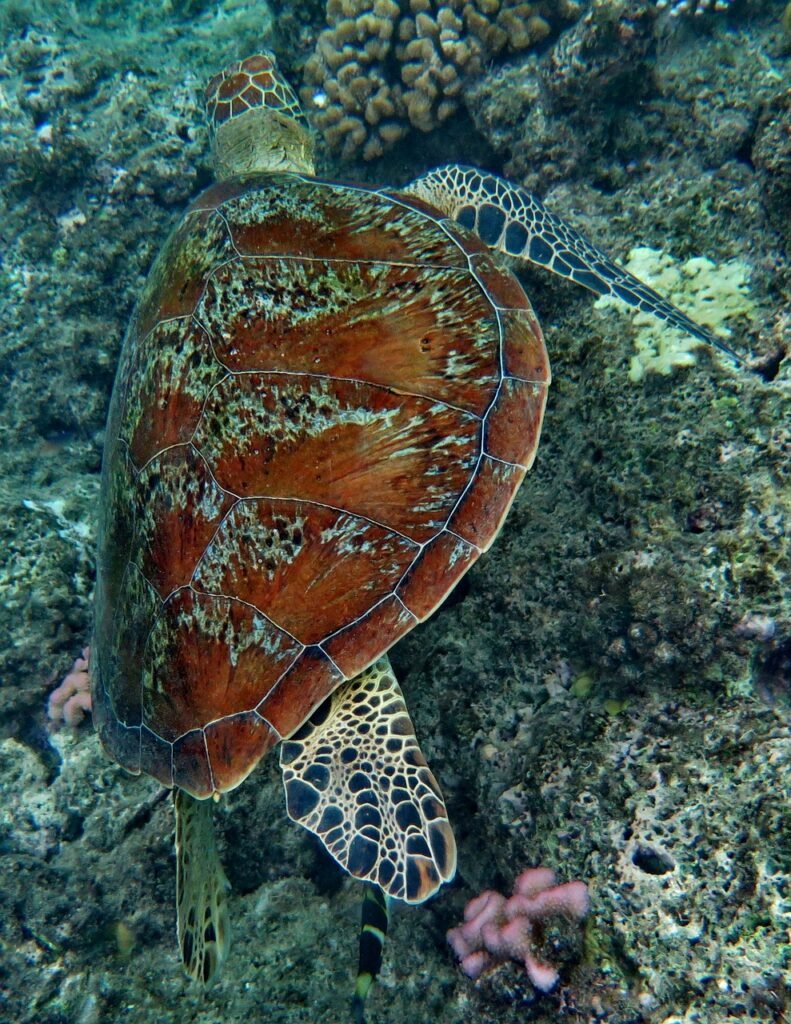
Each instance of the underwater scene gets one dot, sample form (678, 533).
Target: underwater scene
(327, 692)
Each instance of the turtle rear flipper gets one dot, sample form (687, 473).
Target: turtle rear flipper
(355, 776)
(204, 927)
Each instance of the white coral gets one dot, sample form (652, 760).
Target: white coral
(678, 7)
(709, 293)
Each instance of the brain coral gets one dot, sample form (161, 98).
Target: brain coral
(382, 67)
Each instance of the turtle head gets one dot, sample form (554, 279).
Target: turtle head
(255, 120)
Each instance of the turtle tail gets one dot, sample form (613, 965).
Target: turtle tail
(374, 919)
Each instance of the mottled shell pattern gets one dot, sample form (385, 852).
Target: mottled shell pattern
(325, 404)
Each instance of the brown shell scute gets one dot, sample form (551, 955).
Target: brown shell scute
(397, 459)
(364, 321)
(179, 509)
(284, 216)
(235, 651)
(173, 368)
(324, 409)
(313, 568)
(199, 245)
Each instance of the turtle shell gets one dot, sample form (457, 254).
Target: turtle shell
(325, 404)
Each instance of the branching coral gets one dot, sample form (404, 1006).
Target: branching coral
(70, 702)
(497, 929)
(382, 67)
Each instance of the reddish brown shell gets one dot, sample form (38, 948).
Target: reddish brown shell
(324, 407)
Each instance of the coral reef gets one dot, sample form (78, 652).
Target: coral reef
(551, 113)
(381, 67)
(588, 106)
(772, 156)
(608, 689)
(45, 576)
(497, 929)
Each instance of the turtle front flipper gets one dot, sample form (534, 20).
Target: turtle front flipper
(204, 927)
(355, 776)
(513, 221)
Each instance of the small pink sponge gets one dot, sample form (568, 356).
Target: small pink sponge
(71, 701)
(497, 929)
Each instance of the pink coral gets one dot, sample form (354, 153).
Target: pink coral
(71, 701)
(497, 929)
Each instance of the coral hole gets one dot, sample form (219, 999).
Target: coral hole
(652, 861)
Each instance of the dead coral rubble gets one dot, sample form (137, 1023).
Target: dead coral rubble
(381, 68)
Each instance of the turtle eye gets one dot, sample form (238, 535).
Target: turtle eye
(249, 84)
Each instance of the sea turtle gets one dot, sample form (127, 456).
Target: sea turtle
(326, 401)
